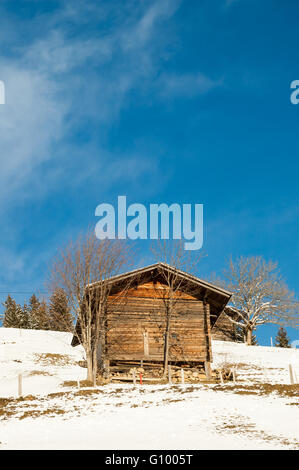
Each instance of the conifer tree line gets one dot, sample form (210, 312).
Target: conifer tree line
(282, 340)
(37, 314)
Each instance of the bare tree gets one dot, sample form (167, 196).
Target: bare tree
(82, 269)
(173, 254)
(259, 295)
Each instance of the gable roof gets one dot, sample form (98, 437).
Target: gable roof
(167, 267)
(217, 297)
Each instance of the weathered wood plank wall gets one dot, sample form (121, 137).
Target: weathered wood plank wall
(136, 326)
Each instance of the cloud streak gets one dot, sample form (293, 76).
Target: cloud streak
(69, 74)
(58, 80)
(185, 85)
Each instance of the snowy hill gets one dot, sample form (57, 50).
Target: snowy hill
(257, 363)
(253, 414)
(46, 359)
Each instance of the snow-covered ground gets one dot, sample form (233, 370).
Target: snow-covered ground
(257, 363)
(201, 416)
(30, 353)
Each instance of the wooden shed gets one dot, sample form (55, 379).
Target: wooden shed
(137, 325)
(224, 329)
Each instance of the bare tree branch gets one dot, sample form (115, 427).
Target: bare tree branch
(82, 269)
(259, 294)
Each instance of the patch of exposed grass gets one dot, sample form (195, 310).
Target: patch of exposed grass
(82, 383)
(87, 392)
(283, 390)
(26, 398)
(6, 401)
(59, 395)
(6, 408)
(39, 372)
(69, 383)
(187, 389)
(242, 365)
(172, 400)
(50, 359)
(242, 426)
(51, 412)
(6, 413)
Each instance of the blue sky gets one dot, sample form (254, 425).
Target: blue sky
(162, 101)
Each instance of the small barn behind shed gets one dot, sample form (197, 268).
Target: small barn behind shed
(224, 329)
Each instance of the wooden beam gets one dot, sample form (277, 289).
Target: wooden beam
(208, 370)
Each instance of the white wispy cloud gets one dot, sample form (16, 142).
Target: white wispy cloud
(185, 85)
(31, 121)
(60, 77)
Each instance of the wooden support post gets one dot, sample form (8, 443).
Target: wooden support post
(221, 377)
(291, 374)
(20, 391)
(182, 376)
(107, 368)
(207, 332)
(169, 375)
(134, 377)
(208, 370)
(145, 344)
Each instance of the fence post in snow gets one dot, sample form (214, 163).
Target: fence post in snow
(234, 375)
(291, 374)
(78, 383)
(20, 392)
(221, 377)
(271, 342)
(134, 377)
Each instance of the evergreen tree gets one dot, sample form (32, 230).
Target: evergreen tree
(282, 340)
(38, 314)
(241, 337)
(11, 318)
(59, 312)
(43, 316)
(239, 333)
(33, 312)
(23, 314)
